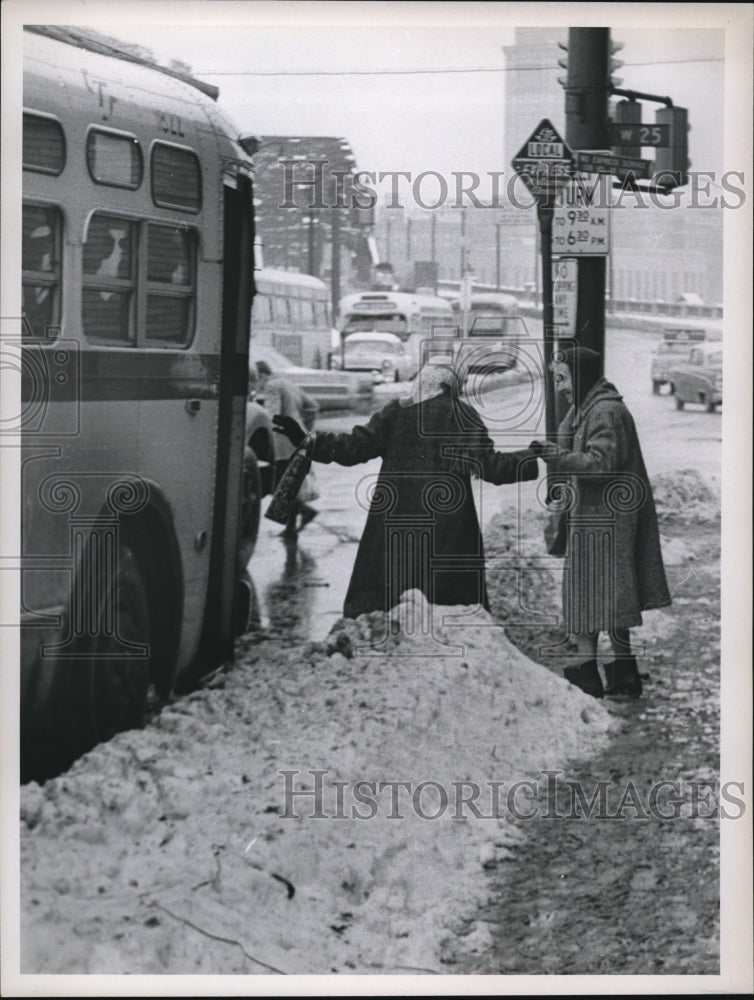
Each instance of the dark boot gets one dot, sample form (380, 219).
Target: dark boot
(587, 677)
(307, 514)
(623, 677)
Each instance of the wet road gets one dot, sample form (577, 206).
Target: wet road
(300, 588)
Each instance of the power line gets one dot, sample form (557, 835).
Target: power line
(430, 72)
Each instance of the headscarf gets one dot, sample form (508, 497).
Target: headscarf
(585, 367)
(437, 375)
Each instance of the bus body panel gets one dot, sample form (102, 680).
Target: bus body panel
(291, 315)
(415, 318)
(138, 421)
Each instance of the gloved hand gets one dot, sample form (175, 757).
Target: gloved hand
(290, 428)
(546, 450)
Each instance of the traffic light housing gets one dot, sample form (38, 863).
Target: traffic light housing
(627, 113)
(672, 163)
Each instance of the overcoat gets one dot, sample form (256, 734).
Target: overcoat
(422, 530)
(613, 562)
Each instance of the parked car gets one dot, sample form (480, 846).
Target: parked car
(699, 379)
(333, 389)
(676, 343)
(382, 354)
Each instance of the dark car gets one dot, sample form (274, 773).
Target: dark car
(333, 390)
(699, 379)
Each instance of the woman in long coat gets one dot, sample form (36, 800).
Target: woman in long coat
(613, 562)
(422, 530)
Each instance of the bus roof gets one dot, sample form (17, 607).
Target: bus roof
(477, 299)
(290, 279)
(372, 301)
(93, 41)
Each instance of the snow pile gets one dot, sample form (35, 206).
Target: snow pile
(175, 849)
(686, 496)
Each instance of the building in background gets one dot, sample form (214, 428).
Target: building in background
(657, 254)
(304, 215)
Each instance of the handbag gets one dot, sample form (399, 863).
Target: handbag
(556, 518)
(286, 493)
(556, 532)
(309, 491)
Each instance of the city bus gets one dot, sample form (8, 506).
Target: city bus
(492, 329)
(137, 252)
(291, 314)
(412, 317)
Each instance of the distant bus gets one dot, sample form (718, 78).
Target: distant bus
(492, 328)
(137, 247)
(291, 314)
(412, 317)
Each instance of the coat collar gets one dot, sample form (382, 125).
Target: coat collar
(600, 391)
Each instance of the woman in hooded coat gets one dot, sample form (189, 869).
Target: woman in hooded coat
(422, 530)
(613, 562)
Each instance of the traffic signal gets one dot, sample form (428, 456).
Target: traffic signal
(672, 162)
(615, 64)
(563, 63)
(626, 113)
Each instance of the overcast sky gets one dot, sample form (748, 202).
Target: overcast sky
(413, 121)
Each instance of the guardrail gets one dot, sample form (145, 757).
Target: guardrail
(652, 307)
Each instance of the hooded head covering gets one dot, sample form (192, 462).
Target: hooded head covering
(437, 375)
(585, 367)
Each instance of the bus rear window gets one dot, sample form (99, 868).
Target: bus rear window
(114, 159)
(43, 145)
(176, 178)
(41, 268)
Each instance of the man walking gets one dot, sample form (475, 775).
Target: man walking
(282, 396)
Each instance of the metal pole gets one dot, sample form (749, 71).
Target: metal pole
(312, 245)
(586, 113)
(497, 255)
(545, 211)
(335, 261)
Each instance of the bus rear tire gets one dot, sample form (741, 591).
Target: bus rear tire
(120, 665)
(656, 386)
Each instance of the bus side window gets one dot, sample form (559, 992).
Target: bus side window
(41, 268)
(279, 311)
(109, 279)
(262, 308)
(171, 284)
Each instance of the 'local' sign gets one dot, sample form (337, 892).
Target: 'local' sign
(544, 162)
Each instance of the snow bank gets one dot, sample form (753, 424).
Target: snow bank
(173, 849)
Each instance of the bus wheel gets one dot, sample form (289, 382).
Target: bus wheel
(656, 386)
(121, 652)
(678, 403)
(251, 508)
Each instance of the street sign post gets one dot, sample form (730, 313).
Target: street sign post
(579, 228)
(564, 295)
(622, 167)
(636, 134)
(545, 165)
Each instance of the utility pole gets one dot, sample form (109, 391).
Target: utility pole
(586, 113)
